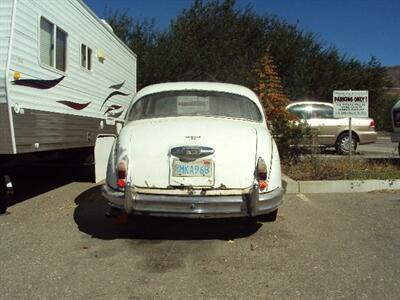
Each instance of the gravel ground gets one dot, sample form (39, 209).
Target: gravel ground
(59, 245)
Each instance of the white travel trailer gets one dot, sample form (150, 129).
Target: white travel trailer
(65, 79)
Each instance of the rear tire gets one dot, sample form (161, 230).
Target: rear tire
(342, 143)
(270, 217)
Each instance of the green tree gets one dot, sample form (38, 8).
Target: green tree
(217, 41)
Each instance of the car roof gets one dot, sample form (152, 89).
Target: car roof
(309, 102)
(197, 86)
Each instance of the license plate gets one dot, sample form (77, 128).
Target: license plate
(197, 168)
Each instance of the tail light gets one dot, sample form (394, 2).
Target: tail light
(262, 174)
(372, 124)
(121, 174)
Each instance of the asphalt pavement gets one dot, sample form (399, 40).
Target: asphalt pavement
(58, 244)
(382, 148)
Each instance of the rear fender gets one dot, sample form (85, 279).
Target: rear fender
(267, 149)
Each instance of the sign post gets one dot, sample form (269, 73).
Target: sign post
(350, 143)
(350, 104)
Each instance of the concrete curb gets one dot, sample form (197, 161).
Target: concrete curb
(338, 186)
(291, 186)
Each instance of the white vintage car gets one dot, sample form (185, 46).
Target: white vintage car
(195, 150)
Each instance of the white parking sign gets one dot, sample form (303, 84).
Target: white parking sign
(349, 104)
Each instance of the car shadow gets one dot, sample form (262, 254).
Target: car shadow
(90, 217)
(36, 179)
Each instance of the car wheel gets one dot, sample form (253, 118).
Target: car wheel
(270, 217)
(343, 141)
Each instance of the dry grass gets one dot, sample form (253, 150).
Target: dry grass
(320, 168)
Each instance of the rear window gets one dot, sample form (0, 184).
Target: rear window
(194, 103)
(320, 111)
(302, 111)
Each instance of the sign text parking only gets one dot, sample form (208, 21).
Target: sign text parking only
(350, 104)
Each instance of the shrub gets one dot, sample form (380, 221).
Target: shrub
(382, 113)
(289, 133)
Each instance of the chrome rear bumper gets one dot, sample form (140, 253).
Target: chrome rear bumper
(252, 204)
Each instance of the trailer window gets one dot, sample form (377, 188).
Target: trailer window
(46, 42)
(89, 59)
(83, 55)
(61, 49)
(86, 57)
(53, 45)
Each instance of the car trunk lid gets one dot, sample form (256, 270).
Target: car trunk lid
(197, 152)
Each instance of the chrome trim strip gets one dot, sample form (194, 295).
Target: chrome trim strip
(128, 198)
(7, 85)
(252, 206)
(191, 152)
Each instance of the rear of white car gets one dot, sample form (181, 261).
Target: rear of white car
(195, 150)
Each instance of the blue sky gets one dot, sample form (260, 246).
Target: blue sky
(358, 28)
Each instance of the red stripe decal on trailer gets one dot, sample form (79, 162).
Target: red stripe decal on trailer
(38, 83)
(117, 86)
(115, 93)
(74, 105)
